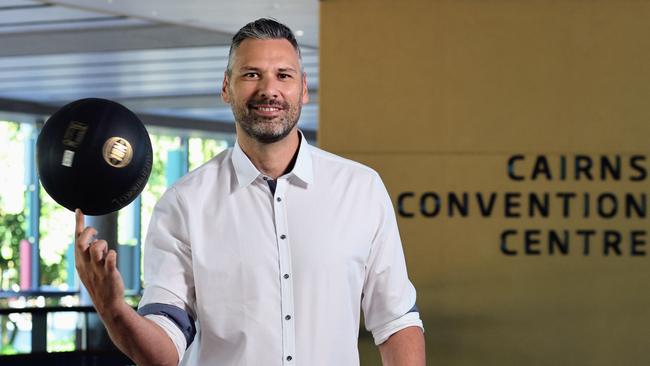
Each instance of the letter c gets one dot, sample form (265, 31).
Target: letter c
(400, 204)
(511, 167)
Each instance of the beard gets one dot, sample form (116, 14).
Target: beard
(266, 130)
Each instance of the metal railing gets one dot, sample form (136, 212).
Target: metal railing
(83, 354)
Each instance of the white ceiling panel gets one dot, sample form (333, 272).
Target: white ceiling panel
(63, 95)
(108, 39)
(218, 15)
(7, 4)
(77, 25)
(110, 80)
(108, 69)
(103, 58)
(47, 14)
(163, 58)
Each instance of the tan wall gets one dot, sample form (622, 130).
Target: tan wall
(438, 96)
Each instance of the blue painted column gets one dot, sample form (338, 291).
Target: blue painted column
(177, 162)
(129, 253)
(33, 200)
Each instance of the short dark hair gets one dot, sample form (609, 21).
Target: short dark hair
(263, 28)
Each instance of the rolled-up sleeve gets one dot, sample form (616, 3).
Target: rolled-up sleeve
(389, 296)
(169, 297)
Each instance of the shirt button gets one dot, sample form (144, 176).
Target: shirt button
(286, 275)
(289, 358)
(278, 199)
(283, 236)
(288, 317)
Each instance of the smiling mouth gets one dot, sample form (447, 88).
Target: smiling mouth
(266, 109)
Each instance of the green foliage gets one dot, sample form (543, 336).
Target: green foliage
(160, 149)
(12, 231)
(56, 227)
(8, 349)
(66, 344)
(157, 183)
(204, 149)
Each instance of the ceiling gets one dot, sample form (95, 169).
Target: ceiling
(164, 59)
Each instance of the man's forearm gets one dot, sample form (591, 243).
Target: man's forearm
(141, 339)
(404, 348)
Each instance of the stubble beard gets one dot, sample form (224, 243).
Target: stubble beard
(264, 129)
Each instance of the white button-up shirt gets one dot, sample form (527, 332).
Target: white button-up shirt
(278, 279)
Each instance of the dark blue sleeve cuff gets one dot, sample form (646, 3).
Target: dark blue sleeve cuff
(414, 309)
(180, 317)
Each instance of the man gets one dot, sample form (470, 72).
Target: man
(265, 254)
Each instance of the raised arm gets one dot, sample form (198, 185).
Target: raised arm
(141, 339)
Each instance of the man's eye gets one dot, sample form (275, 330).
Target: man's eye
(284, 76)
(250, 75)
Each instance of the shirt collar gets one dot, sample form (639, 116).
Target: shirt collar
(246, 172)
(303, 169)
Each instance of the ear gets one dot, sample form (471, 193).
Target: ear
(225, 96)
(305, 92)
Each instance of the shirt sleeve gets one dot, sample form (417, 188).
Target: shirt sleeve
(169, 298)
(388, 300)
(172, 330)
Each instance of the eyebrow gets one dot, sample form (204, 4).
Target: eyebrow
(287, 69)
(281, 69)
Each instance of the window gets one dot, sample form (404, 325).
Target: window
(28, 214)
(12, 203)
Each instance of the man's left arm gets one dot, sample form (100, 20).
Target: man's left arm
(389, 297)
(404, 348)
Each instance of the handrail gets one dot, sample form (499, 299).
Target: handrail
(48, 309)
(53, 293)
(39, 322)
(33, 293)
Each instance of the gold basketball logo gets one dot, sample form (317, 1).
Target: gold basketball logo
(117, 152)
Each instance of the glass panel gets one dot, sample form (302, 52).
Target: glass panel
(62, 331)
(125, 225)
(16, 332)
(56, 235)
(204, 149)
(157, 183)
(12, 203)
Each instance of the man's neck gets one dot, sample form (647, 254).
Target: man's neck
(271, 159)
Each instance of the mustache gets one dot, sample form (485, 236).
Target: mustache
(269, 102)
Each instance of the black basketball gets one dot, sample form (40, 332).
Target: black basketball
(94, 154)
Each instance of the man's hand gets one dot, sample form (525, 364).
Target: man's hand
(141, 339)
(97, 268)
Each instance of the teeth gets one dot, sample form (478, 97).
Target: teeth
(267, 109)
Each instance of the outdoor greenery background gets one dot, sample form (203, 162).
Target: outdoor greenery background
(57, 223)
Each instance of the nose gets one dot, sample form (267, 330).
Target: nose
(268, 88)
